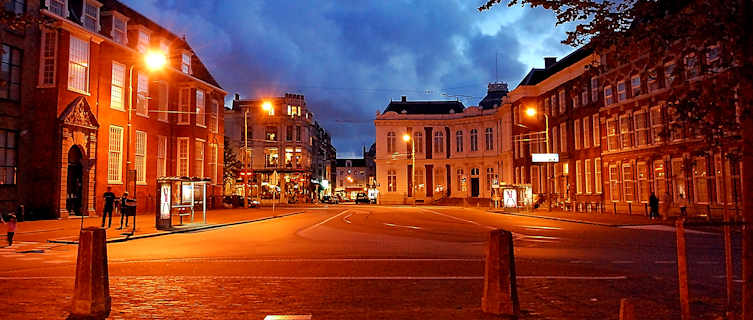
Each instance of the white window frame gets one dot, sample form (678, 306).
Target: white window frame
(83, 64)
(656, 123)
(563, 137)
(184, 102)
(117, 81)
(201, 107)
(642, 181)
(621, 91)
(598, 182)
(142, 94)
(213, 163)
(48, 57)
(579, 177)
(115, 166)
(391, 180)
(641, 127)
(185, 62)
(489, 138)
(562, 101)
(613, 133)
(589, 175)
(614, 182)
(586, 132)
(215, 116)
(628, 184)
(187, 158)
(577, 133)
(123, 34)
(626, 131)
(161, 156)
(699, 178)
(48, 4)
(608, 95)
(596, 129)
(140, 153)
(199, 151)
(84, 15)
(143, 40)
(595, 89)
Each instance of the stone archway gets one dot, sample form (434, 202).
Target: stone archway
(75, 182)
(77, 160)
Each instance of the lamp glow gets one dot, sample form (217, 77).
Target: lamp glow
(530, 112)
(266, 106)
(406, 138)
(155, 60)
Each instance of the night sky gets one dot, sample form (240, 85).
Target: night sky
(349, 58)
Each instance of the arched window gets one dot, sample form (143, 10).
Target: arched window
(474, 140)
(489, 139)
(391, 180)
(390, 142)
(460, 175)
(418, 139)
(438, 141)
(459, 141)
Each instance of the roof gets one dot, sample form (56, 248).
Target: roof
(537, 75)
(494, 96)
(353, 162)
(425, 107)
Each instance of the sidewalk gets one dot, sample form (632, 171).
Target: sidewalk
(66, 230)
(595, 218)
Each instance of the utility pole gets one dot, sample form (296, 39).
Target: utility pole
(245, 159)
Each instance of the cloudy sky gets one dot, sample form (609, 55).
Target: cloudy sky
(349, 58)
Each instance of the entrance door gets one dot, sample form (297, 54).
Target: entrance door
(75, 181)
(474, 187)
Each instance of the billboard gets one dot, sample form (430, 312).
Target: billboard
(545, 157)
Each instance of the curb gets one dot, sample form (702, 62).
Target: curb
(200, 228)
(575, 220)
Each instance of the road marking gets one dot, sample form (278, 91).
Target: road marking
(541, 227)
(325, 221)
(460, 219)
(401, 226)
(347, 218)
(296, 260)
(554, 277)
(581, 261)
(657, 227)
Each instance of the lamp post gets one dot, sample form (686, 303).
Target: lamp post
(153, 60)
(406, 138)
(531, 112)
(267, 107)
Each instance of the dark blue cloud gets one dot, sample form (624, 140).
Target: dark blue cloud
(351, 57)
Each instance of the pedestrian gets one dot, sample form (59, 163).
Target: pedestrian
(124, 208)
(683, 205)
(653, 202)
(11, 227)
(109, 204)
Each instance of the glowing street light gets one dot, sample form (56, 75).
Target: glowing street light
(406, 137)
(531, 112)
(266, 106)
(155, 60)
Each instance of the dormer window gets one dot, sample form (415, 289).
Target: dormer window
(164, 47)
(143, 41)
(118, 32)
(90, 18)
(58, 7)
(185, 63)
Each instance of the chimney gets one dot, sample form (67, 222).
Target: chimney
(549, 61)
(403, 99)
(237, 96)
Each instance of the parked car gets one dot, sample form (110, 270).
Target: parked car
(362, 198)
(330, 199)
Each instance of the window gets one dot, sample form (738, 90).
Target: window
(596, 131)
(184, 99)
(117, 91)
(59, 7)
(214, 116)
(201, 116)
(548, 106)
(643, 184)
(391, 180)
(114, 157)
(474, 140)
(438, 141)
(586, 132)
(298, 133)
(614, 183)
(118, 33)
(597, 175)
(490, 178)
(419, 179)
(627, 182)
(78, 65)
(621, 91)
(289, 133)
(48, 57)
(16, 7)
(584, 97)
(555, 105)
(271, 157)
(185, 63)
(140, 155)
(612, 138)
(657, 124)
(199, 158)
(626, 131)
(142, 42)
(418, 139)
(516, 179)
(489, 139)
(294, 111)
(692, 67)
(563, 137)
(162, 101)
(554, 139)
(91, 16)
(678, 179)
(608, 96)
(700, 180)
(577, 133)
(562, 101)
(390, 142)
(161, 156)
(579, 176)
(10, 77)
(460, 176)
(594, 89)
(515, 114)
(712, 58)
(635, 86)
(459, 141)
(589, 174)
(641, 128)
(8, 148)
(164, 47)
(213, 163)
(669, 74)
(142, 95)
(652, 80)
(270, 133)
(183, 159)
(660, 179)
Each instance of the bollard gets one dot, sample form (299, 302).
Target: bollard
(627, 309)
(500, 289)
(682, 269)
(91, 296)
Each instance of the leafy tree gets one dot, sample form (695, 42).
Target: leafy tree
(232, 166)
(716, 104)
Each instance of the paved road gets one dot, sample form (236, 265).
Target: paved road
(351, 262)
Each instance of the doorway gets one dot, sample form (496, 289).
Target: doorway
(75, 181)
(474, 187)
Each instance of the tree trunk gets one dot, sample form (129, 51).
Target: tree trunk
(747, 229)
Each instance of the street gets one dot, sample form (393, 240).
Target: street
(377, 262)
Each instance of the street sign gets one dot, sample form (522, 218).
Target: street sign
(545, 157)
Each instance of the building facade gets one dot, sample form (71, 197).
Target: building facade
(97, 117)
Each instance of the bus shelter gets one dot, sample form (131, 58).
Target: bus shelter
(180, 196)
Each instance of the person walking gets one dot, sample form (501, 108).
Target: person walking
(683, 205)
(109, 204)
(124, 210)
(11, 227)
(653, 202)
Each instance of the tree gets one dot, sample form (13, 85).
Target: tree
(717, 105)
(232, 166)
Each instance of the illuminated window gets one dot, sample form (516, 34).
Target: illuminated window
(142, 95)
(597, 175)
(117, 91)
(183, 160)
(199, 158)
(140, 155)
(391, 180)
(78, 65)
(161, 156)
(626, 131)
(114, 157)
(587, 132)
(201, 117)
(588, 175)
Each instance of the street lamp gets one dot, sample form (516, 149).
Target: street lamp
(267, 107)
(406, 138)
(531, 112)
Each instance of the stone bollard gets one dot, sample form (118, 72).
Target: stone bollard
(500, 289)
(91, 296)
(627, 309)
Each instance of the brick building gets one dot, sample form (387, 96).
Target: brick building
(95, 117)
